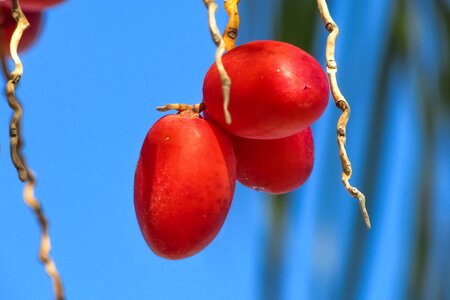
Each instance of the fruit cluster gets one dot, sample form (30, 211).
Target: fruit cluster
(188, 166)
(33, 10)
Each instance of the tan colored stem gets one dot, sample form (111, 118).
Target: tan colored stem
(343, 105)
(231, 31)
(211, 5)
(197, 108)
(45, 247)
(16, 151)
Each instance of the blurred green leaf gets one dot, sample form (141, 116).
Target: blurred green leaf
(296, 23)
(443, 11)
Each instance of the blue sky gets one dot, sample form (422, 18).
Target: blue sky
(89, 91)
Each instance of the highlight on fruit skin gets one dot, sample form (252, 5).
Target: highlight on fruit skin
(33, 5)
(275, 166)
(8, 25)
(277, 90)
(184, 184)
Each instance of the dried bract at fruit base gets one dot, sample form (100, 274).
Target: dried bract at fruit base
(8, 25)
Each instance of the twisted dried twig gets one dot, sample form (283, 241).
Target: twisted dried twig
(197, 108)
(45, 247)
(211, 5)
(16, 151)
(14, 78)
(231, 32)
(343, 105)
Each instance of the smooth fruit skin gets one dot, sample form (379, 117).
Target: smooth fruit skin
(33, 5)
(8, 25)
(275, 166)
(184, 185)
(277, 90)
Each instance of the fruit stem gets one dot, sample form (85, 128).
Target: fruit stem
(211, 5)
(343, 105)
(196, 108)
(231, 31)
(25, 175)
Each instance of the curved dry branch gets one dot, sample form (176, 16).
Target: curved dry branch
(197, 108)
(231, 31)
(16, 150)
(343, 105)
(45, 247)
(211, 5)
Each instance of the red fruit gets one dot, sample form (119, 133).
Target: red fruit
(8, 25)
(184, 184)
(275, 166)
(277, 90)
(33, 5)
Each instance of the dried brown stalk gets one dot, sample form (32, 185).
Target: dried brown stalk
(231, 31)
(45, 247)
(343, 105)
(211, 5)
(197, 108)
(16, 151)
